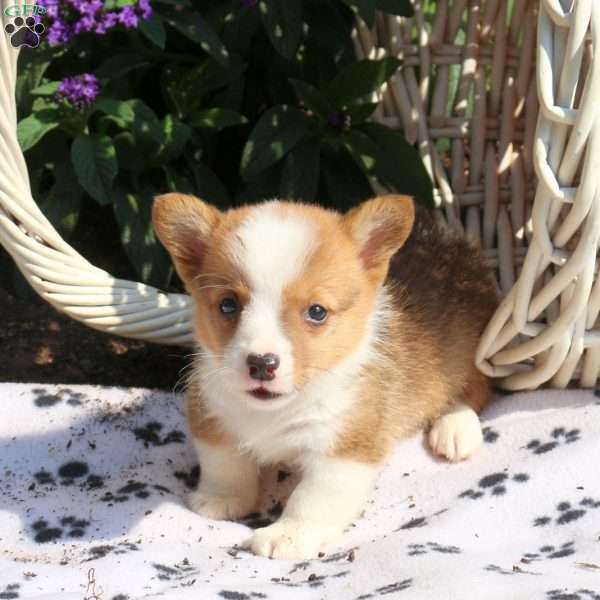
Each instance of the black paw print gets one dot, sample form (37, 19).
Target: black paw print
(10, 592)
(495, 484)
(96, 552)
(150, 435)
(190, 478)
(74, 527)
(559, 436)
(24, 32)
(418, 549)
(568, 513)
(565, 594)
(490, 435)
(398, 586)
(43, 399)
(177, 572)
(70, 473)
(548, 551)
(135, 489)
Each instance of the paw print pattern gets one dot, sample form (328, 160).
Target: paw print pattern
(43, 399)
(70, 473)
(567, 512)
(559, 436)
(70, 526)
(150, 434)
(565, 594)
(103, 550)
(490, 435)
(10, 592)
(177, 572)
(24, 32)
(190, 478)
(136, 489)
(494, 484)
(419, 549)
(548, 551)
(398, 586)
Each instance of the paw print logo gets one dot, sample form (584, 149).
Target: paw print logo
(24, 32)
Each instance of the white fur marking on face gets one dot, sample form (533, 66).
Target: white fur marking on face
(457, 434)
(270, 248)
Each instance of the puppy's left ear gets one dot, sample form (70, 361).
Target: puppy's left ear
(380, 226)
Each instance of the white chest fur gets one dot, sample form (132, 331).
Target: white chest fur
(307, 423)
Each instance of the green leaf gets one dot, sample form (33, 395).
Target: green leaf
(365, 9)
(133, 213)
(385, 155)
(63, 202)
(95, 161)
(282, 19)
(184, 88)
(300, 175)
(361, 112)
(199, 30)
(344, 182)
(48, 89)
(135, 115)
(278, 130)
(312, 98)
(33, 128)
(154, 30)
(217, 118)
(208, 186)
(31, 69)
(175, 136)
(120, 65)
(128, 154)
(360, 78)
(402, 8)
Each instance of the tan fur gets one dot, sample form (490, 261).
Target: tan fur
(442, 297)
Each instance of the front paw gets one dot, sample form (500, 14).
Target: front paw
(221, 506)
(289, 540)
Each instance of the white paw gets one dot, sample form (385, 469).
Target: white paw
(286, 541)
(457, 434)
(221, 506)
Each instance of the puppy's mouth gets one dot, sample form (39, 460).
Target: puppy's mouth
(261, 393)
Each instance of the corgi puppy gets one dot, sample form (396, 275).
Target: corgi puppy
(325, 338)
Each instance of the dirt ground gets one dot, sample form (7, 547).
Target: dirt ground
(39, 344)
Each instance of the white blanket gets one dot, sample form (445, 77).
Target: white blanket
(92, 505)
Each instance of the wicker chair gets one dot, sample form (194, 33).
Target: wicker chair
(519, 181)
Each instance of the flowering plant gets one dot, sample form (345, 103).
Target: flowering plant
(231, 100)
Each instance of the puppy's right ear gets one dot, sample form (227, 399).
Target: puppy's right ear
(183, 224)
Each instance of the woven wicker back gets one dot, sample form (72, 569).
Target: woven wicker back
(467, 94)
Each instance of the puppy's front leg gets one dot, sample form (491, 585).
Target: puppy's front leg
(330, 494)
(228, 486)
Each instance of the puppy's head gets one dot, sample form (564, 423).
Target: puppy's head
(283, 292)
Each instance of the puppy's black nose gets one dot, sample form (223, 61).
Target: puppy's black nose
(262, 366)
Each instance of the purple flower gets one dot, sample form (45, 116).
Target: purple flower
(66, 19)
(80, 91)
(339, 120)
(128, 18)
(144, 9)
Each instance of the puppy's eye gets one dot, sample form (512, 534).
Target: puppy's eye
(229, 306)
(315, 314)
